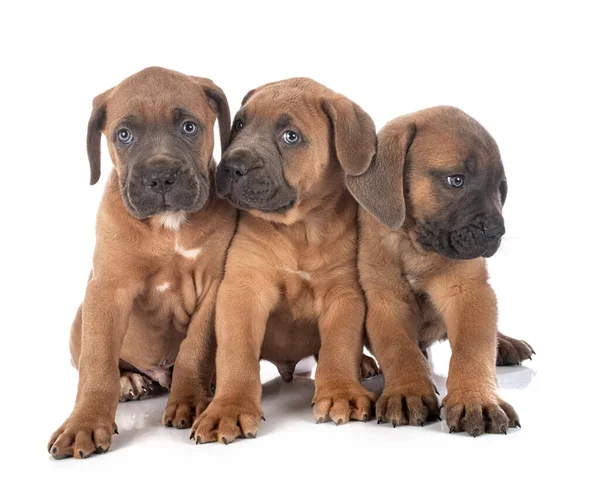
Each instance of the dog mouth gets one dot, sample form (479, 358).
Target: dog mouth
(189, 194)
(259, 193)
(464, 243)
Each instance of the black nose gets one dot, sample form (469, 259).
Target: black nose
(493, 229)
(160, 179)
(235, 169)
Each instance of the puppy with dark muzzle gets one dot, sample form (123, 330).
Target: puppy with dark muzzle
(432, 201)
(291, 285)
(146, 322)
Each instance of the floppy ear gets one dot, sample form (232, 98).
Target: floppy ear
(380, 189)
(354, 134)
(218, 102)
(94, 134)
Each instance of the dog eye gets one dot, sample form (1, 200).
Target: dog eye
(189, 128)
(290, 137)
(456, 180)
(125, 136)
(238, 125)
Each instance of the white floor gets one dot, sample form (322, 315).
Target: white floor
(292, 448)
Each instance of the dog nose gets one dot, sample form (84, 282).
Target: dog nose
(160, 179)
(493, 229)
(237, 164)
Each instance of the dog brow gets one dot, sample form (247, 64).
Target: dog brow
(284, 120)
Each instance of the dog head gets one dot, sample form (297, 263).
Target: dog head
(292, 141)
(159, 128)
(439, 173)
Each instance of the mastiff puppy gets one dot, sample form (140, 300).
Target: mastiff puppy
(433, 197)
(161, 239)
(291, 285)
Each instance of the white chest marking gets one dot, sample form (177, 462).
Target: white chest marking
(302, 274)
(163, 287)
(173, 220)
(191, 254)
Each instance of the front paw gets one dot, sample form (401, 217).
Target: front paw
(226, 419)
(82, 435)
(512, 351)
(183, 408)
(475, 412)
(411, 404)
(342, 402)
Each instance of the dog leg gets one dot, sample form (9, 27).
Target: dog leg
(512, 351)
(194, 367)
(470, 312)
(338, 392)
(89, 428)
(241, 320)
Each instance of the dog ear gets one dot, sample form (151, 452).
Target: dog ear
(94, 134)
(218, 102)
(354, 134)
(248, 96)
(380, 189)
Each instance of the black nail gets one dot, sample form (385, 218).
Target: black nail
(420, 422)
(197, 440)
(116, 431)
(224, 439)
(452, 429)
(320, 420)
(80, 453)
(475, 432)
(251, 436)
(182, 422)
(517, 424)
(338, 422)
(436, 390)
(263, 417)
(192, 436)
(439, 418)
(379, 420)
(503, 428)
(365, 417)
(394, 423)
(312, 404)
(169, 423)
(54, 450)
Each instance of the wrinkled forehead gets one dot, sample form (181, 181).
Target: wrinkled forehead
(152, 101)
(282, 105)
(460, 145)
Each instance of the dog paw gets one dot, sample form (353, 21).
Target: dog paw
(80, 437)
(477, 413)
(182, 410)
(135, 386)
(368, 367)
(342, 402)
(512, 351)
(227, 419)
(412, 404)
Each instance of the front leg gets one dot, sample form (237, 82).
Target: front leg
(90, 426)
(194, 367)
(338, 392)
(409, 395)
(468, 306)
(244, 303)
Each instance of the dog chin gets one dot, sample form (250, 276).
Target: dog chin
(271, 206)
(165, 209)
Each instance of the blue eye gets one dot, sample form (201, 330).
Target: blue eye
(189, 128)
(125, 136)
(456, 180)
(291, 137)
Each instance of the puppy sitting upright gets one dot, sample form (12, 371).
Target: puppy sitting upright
(437, 184)
(291, 285)
(161, 238)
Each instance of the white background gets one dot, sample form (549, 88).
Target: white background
(526, 71)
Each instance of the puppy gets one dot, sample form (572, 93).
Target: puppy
(161, 238)
(432, 202)
(291, 285)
